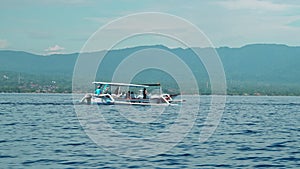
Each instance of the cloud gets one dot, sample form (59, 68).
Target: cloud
(54, 50)
(3, 43)
(253, 5)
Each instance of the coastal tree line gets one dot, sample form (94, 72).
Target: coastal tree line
(14, 82)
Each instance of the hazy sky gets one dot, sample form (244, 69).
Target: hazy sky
(47, 26)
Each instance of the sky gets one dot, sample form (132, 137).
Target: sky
(64, 26)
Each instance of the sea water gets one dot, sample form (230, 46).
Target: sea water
(44, 131)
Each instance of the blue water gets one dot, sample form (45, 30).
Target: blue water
(43, 131)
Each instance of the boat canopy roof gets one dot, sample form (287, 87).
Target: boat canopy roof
(121, 84)
(152, 84)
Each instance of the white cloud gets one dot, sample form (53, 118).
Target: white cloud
(54, 50)
(3, 43)
(253, 5)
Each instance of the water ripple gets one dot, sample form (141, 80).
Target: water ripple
(43, 131)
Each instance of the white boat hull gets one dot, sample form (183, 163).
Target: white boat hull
(107, 99)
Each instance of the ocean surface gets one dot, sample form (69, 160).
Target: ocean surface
(46, 131)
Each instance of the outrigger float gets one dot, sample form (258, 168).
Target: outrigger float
(119, 97)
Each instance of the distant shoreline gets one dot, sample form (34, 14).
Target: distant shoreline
(254, 69)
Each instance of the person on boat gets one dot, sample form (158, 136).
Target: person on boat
(144, 93)
(105, 88)
(132, 95)
(98, 90)
(128, 95)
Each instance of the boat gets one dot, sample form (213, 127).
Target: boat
(112, 94)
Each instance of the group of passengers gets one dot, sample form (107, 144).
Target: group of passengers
(129, 94)
(101, 90)
(132, 95)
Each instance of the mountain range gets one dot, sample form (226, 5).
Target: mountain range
(257, 68)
